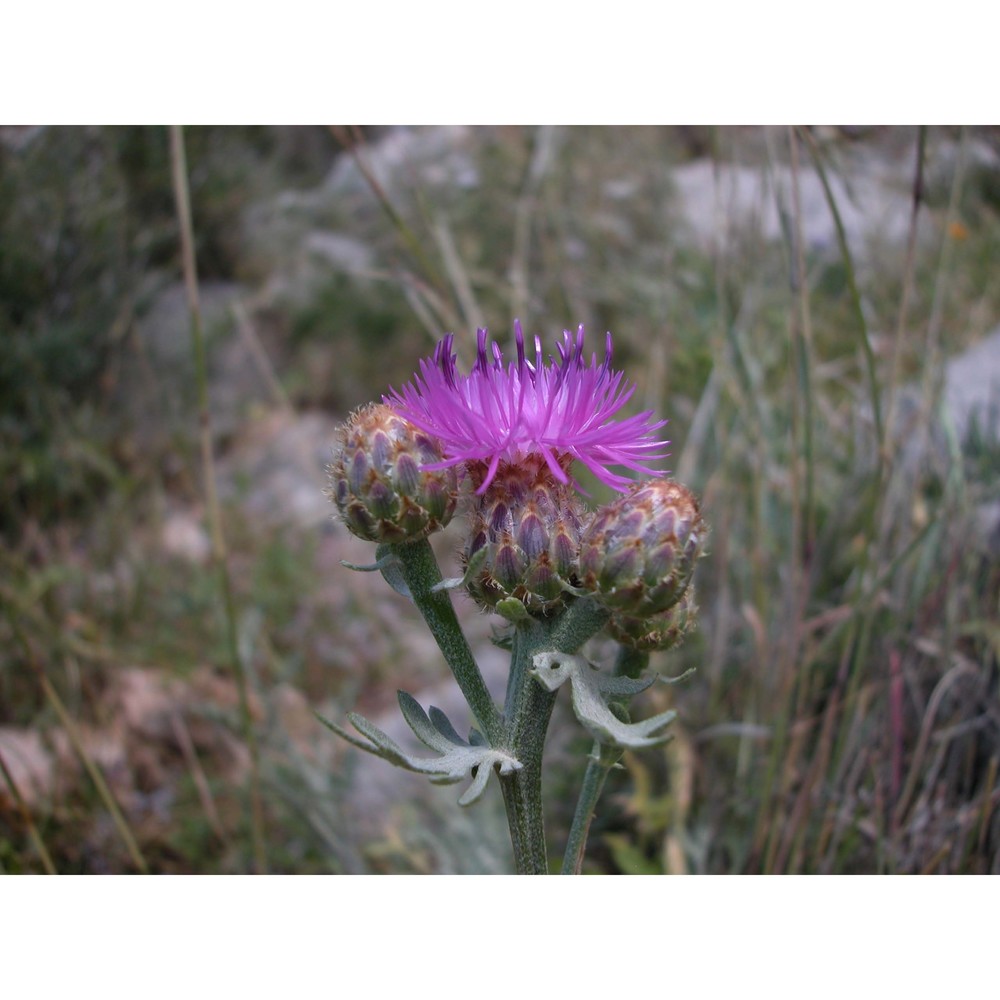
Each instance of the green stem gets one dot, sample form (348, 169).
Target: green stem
(526, 718)
(593, 784)
(630, 663)
(522, 797)
(421, 573)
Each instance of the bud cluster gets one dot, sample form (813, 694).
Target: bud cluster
(530, 539)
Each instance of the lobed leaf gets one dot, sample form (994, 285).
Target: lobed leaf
(590, 690)
(457, 761)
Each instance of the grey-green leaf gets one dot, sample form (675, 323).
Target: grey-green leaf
(589, 689)
(416, 719)
(443, 725)
(457, 761)
(388, 563)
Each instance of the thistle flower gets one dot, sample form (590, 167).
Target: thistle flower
(384, 479)
(560, 411)
(639, 552)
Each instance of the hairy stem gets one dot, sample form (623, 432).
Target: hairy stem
(630, 663)
(526, 722)
(421, 573)
(593, 784)
(526, 716)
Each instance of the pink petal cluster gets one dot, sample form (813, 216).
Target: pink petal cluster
(557, 410)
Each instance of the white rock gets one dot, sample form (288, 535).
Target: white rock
(717, 201)
(184, 537)
(29, 764)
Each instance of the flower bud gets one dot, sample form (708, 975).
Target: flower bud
(378, 482)
(660, 631)
(638, 553)
(530, 524)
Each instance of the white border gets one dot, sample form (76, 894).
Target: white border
(448, 62)
(402, 936)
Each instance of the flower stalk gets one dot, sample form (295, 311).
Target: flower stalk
(419, 568)
(527, 714)
(630, 663)
(526, 723)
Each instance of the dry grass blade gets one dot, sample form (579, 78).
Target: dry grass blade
(219, 551)
(93, 771)
(990, 798)
(916, 772)
(107, 796)
(904, 301)
(473, 315)
(803, 415)
(546, 143)
(845, 251)
(353, 140)
(181, 733)
(29, 823)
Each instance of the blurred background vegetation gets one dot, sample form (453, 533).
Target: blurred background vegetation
(816, 312)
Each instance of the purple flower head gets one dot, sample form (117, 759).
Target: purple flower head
(554, 410)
